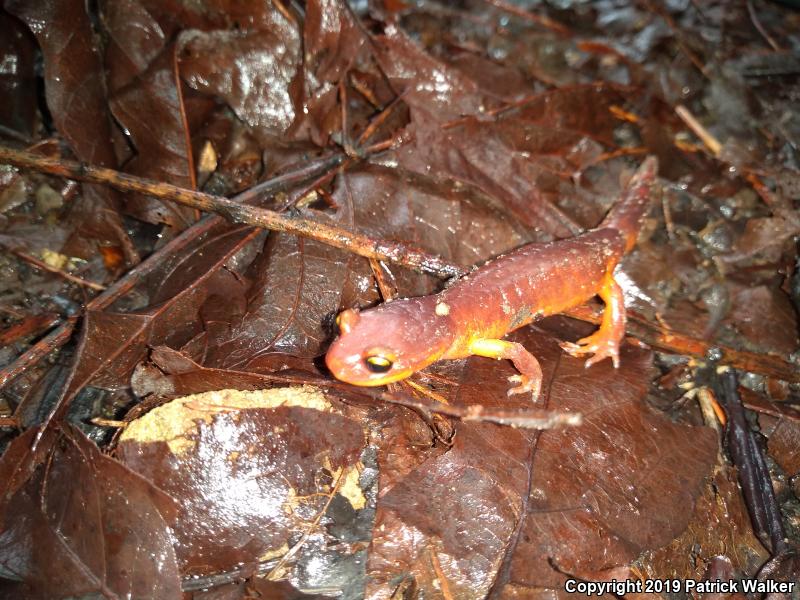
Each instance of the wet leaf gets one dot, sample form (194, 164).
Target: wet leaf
(18, 81)
(333, 44)
(573, 501)
(172, 374)
(146, 100)
(238, 65)
(114, 341)
(783, 442)
(84, 524)
(527, 160)
(248, 468)
(765, 317)
(75, 91)
(719, 526)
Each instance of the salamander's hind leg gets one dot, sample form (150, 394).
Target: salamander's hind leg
(604, 343)
(530, 377)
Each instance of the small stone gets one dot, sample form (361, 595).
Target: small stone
(47, 199)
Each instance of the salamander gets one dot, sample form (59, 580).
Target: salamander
(389, 342)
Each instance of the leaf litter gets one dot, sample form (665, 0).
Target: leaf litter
(462, 131)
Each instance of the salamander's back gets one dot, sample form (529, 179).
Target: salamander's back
(534, 280)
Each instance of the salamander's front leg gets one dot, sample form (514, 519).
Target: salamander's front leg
(530, 377)
(604, 342)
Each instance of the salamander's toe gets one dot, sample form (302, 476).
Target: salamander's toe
(598, 345)
(526, 385)
(602, 354)
(571, 348)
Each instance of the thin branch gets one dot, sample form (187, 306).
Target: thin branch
(760, 28)
(52, 341)
(541, 20)
(256, 194)
(533, 418)
(274, 573)
(394, 252)
(30, 326)
(39, 264)
(705, 136)
(672, 342)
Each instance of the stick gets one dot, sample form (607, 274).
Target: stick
(394, 252)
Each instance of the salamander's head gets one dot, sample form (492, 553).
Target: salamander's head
(388, 343)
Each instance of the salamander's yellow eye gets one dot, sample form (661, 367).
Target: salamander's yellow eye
(339, 321)
(378, 363)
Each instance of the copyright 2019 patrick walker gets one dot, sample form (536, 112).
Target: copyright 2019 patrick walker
(662, 586)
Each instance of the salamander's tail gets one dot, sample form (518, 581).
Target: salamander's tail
(627, 215)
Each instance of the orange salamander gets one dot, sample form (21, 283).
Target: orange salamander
(391, 341)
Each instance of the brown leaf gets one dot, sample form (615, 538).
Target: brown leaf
(17, 84)
(175, 15)
(287, 305)
(763, 241)
(766, 318)
(783, 443)
(527, 159)
(333, 43)
(719, 526)
(75, 91)
(248, 468)
(429, 86)
(239, 65)
(455, 221)
(146, 100)
(172, 374)
(83, 524)
(113, 342)
(500, 508)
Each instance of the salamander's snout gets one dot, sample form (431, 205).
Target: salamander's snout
(363, 354)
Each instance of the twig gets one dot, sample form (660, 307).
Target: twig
(541, 20)
(705, 136)
(773, 201)
(63, 274)
(209, 582)
(444, 586)
(672, 342)
(534, 418)
(760, 28)
(606, 156)
(310, 529)
(666, 209)
(711, 408)
(753, 473)
(52, 341)
(394, 252)
(376, 122)
(256, 194)
(31, 326)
